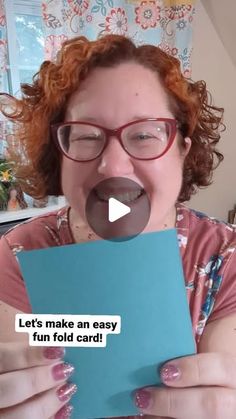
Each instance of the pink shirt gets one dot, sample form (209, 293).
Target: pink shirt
(207, 246)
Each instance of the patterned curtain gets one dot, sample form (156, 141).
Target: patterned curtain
(3, 73)
(166, 23)
(3, 44)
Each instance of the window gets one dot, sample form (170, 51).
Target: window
(25, 42)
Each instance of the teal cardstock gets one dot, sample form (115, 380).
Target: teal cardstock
(140, 280)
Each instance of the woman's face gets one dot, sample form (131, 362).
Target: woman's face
(112, 97)
(13, 194)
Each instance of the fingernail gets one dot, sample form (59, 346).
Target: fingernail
(53, 352)
(62, 371)
(170, 373)
(64, 412)
(65, 392)
(143, 399)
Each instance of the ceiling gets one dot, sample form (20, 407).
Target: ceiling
(223, 15)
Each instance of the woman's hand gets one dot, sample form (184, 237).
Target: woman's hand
(201, 386)
(33, 382)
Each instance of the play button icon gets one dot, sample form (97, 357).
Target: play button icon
(117, 208)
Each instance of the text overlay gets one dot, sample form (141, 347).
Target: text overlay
(67, 330)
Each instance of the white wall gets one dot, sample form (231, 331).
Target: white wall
(211, 63)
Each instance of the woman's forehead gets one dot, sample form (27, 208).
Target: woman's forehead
(127, 88)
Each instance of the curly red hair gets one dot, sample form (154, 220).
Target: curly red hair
(44, 102)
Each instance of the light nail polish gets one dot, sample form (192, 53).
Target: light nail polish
(65, 392)
(65, 412)
(53, 352)
(62, 371)
(143, 399)
(170, 373)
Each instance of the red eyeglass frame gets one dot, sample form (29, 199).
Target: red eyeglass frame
(117, 133)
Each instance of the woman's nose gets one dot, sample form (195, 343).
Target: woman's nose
(114, 160)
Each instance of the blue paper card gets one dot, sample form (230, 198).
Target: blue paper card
(140, 280)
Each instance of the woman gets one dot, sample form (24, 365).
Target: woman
(16, 200)
(109, 84)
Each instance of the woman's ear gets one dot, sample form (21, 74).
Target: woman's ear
(186, 147)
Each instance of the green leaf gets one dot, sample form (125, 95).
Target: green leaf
(103, 11)
(95, 9)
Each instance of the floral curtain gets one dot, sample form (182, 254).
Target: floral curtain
(166, 23)
(3, 73)
(3, 44)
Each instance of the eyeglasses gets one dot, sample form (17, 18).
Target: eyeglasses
(145, 139)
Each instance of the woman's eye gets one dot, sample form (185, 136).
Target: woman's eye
(142, 137)
(85, 138)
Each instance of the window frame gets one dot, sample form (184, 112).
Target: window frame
(12, 7)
